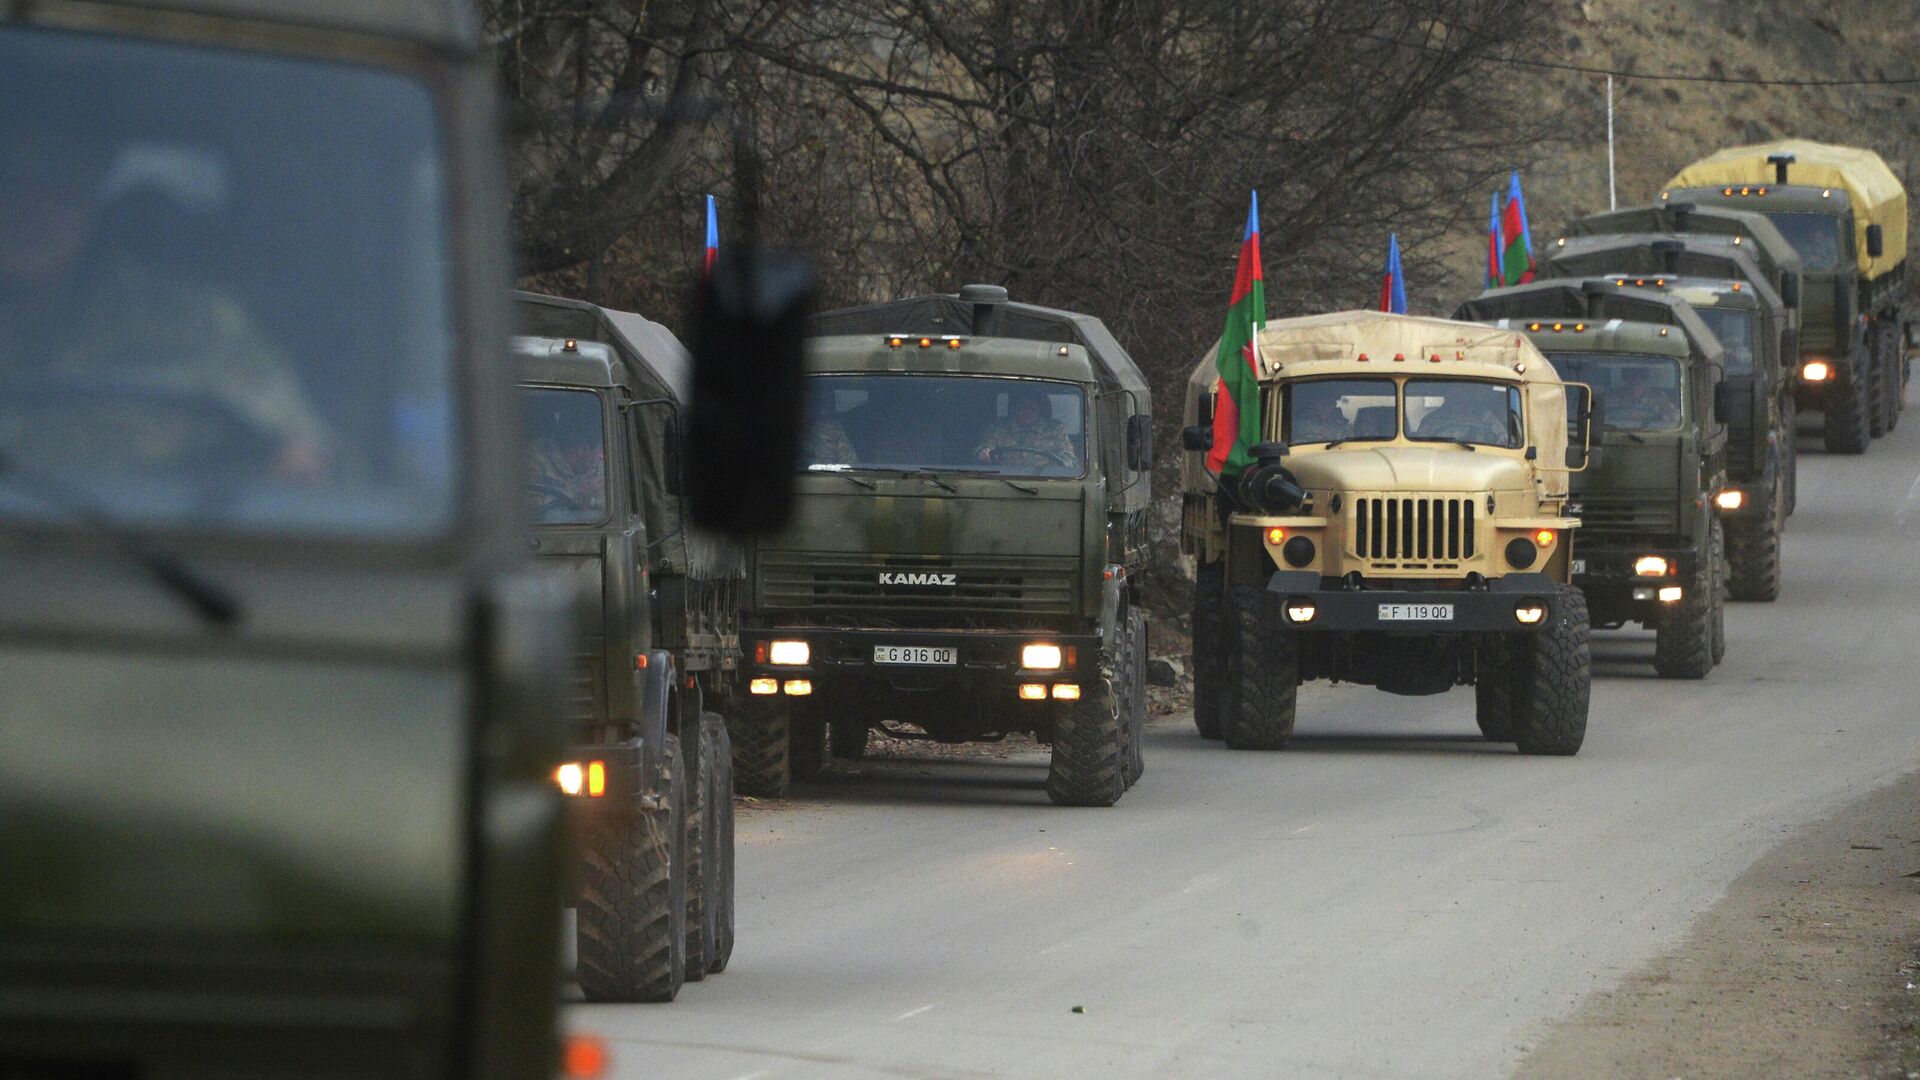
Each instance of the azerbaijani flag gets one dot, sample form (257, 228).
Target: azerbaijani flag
(713, 239)
(1236, 411)
(1393, 284)
(1493, 244)
(1516, 247)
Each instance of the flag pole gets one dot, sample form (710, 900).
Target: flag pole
(1612, 202)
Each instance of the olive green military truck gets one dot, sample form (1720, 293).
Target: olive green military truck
(1756, 332)
(1846, 214)
(1652, 545)
(277, 682)
(1405, 526)
(650, 769)
(971, 519)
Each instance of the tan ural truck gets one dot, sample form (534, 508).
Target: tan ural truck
(1405, 525)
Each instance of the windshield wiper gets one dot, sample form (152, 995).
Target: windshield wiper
(852, 479)
(1020, 487)
(1631, 435)
(922, 474)
(210, 601)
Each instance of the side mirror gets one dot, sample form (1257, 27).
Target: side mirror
(1140, 443)
(1876, 245)
(1790, 289)
(1790, 349)
(1580, 427)
(1198, 438)
(1204, 413)
(743, 426)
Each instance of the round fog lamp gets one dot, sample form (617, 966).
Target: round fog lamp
(1301, 611)
(1521, 553)
(1732, 499)
(1299, 551)
(1650, 566)
(1530, 611)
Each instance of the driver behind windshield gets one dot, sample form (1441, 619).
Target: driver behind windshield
(79, 306)
(1649, 406)
(567, 472)
(1027, 434)
(827, 441)
(1469, 415)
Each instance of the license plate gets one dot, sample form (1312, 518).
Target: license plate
(915, 654)
(1416, 612)
(1579, 566)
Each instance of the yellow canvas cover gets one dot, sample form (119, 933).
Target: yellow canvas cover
(1872, 189)
(1334, 343)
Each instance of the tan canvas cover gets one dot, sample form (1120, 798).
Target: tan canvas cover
(1872, 189)
(1333, 343)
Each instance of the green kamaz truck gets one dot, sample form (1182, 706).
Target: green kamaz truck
(1652, 546)
(1755, 329)
(649, 773)
(278, 684)
(1404, 526)
(1845, 212)
(963, 558)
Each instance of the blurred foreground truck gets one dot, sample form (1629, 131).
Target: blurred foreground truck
(964, 554)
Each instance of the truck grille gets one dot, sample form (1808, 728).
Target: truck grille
(583, 682)
(866, 583)
(1434, 532)
(1617, 517)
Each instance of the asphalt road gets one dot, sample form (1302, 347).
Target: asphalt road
(1391, 896)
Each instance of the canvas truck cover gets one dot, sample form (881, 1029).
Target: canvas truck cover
(1872, 189)
(1333, 344)
(945, 313)
(1685, 219)
(659, 368)
(1594, 303)
(1699, 255)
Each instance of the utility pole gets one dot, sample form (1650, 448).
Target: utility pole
(1613, 203)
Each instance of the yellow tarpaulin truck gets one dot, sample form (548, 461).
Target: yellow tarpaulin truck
(1845, 212)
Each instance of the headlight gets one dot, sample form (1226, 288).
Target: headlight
(1530, 611)
(1670, 594)
(1301, 610)
(789, 653)
(1816, 371)
(1299, 552)
(1041, 657)
(1731, 499)
(1650, 566)
(1521, 553)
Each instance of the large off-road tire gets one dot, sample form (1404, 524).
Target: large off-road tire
(1719, 592)
(1892, 359)
(1876, 391)
(1494, 688)
(633, 898)
(1847, 413)
(847, 736)
(1211, 641)
(1683, 636)
(697, 765)
(1136, 700)
(1753, 557)
(1790, 451)
(1089, 766)
(807, 742)
(759, 726)
(1263, 673)
(1554, 681)
(720, 860)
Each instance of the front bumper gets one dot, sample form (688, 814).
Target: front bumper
(841, 659)
(1468, 611)
(1610, 584)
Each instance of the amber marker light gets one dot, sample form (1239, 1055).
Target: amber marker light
(596, 779)
(583, 1057)
(1544, 538)
(1276, 536)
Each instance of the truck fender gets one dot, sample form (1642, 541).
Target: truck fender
(656, 701)
(1110, 597)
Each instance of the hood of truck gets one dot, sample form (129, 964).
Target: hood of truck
(1631, 489)
(989, 547)
(1409, 469)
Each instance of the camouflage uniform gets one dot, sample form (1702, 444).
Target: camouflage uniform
(1046, 434)
(131, 326)
(567, 483)
(827, 444)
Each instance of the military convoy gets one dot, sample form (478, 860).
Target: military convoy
(1405, 525)
(965, 552)
(649, 776)
(1845, 213)
(1652, 545)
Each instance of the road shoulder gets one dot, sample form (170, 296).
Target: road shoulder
(1802, 970)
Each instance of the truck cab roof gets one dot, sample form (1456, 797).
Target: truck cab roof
(951, 355)
(566, 362)
(1597, 315)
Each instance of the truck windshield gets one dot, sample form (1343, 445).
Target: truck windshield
(1636, 393)
(1339, 410)
(567, 456)
(1815, 236)
(1464, 410)
(1735, 329)
(945, 423)
(224, 297)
